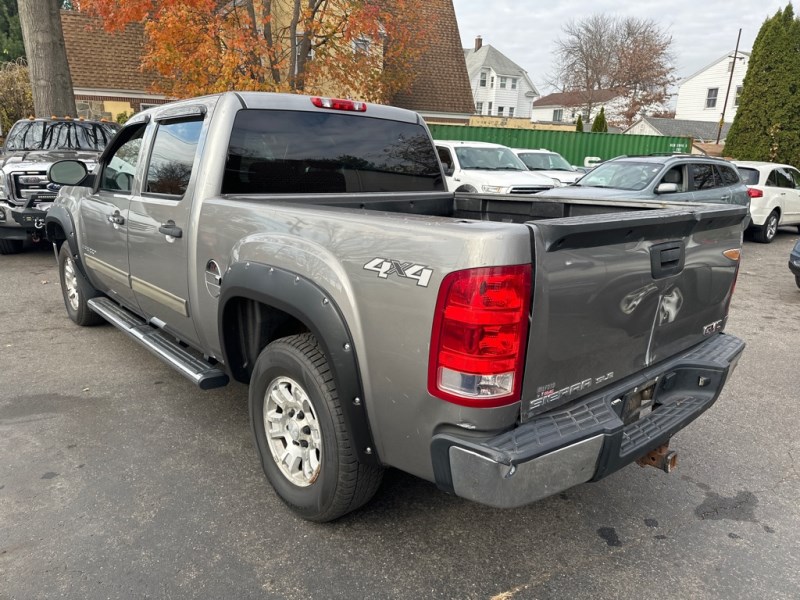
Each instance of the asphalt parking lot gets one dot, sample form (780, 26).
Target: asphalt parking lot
(119, 479)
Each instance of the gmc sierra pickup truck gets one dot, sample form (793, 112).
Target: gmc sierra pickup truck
(31, 147)
(503, 347)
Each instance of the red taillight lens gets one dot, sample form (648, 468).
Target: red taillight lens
(755, 193)
(339, 104)
(479, 335)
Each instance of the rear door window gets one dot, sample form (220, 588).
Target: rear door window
(729, 176)
(300, 152)
(704, 177)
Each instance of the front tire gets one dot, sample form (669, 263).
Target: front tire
(76, 290)
(300, 435)
(11, 246)
(797, 280)
(766, 233)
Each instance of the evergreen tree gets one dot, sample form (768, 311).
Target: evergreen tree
(579, 124)
(767, 122)
(599, 124)
(11, 46)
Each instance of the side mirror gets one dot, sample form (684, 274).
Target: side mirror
(68, 172)
(667, 188)
(449, 170)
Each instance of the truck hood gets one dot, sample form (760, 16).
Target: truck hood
(565, 177)
(41, 159)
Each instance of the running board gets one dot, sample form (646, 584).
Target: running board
(203, 374)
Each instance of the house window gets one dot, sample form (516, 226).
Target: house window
(738, 95)
(490, 108)
(558, 115)
(360, 45)
(500, 111)
(479, 108)
(711, 97)
(491, 82)
(510, 111)
(513, 83)
(503, 83)
(483, 79)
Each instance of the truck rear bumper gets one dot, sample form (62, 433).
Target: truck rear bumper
(587, 439)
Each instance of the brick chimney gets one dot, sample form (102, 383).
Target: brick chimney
(478, 43)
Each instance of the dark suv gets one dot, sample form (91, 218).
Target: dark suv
(686, 178)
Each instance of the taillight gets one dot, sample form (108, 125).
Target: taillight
(479, 336)
(735, 255)
(339, 104)
(755, 193)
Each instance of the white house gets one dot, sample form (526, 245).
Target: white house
(500, 87)
(701, 96)
(564, 107)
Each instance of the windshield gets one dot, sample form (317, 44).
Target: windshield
(60, 135)
(489, 159)
(545, 161)
(622, 175)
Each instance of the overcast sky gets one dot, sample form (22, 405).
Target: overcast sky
(702, 30)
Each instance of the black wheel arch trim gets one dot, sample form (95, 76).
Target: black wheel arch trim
(311, 305)
(60, 216)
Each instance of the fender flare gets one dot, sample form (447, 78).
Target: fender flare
(60, 216)
(304, 300)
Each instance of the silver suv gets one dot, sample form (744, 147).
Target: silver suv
(683, 178)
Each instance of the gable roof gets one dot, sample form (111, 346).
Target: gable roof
(99, 59)
(716, 62)
(441, 83)
(571, 99)
(701, 131)
(487, 56)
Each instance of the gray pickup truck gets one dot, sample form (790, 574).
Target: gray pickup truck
(31, 147)
(503, 347)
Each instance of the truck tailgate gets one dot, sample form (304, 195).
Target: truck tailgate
(616, 293)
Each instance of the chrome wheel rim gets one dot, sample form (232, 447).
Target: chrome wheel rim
(71, 283)
(293, 432)
(772, 227)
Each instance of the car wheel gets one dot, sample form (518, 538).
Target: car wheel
(467, 188)
(766, 233)
(76, 290)
(797, 280)
(11, 246)
(300, 435)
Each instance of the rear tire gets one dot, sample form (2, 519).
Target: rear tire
(797, 280)
(76, 290)
(300, 435)
(766, 233)
(11, 246)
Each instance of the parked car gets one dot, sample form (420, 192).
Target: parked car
(503, 347)
(774, 191)
(488, 168)
(674, 178)
(548, 163)
(794, 262)
(31, 147)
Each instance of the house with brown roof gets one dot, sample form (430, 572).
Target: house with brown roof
(106, 67)
(441, 90)
(564, 107)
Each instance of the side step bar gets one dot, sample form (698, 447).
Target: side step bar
(203, 374)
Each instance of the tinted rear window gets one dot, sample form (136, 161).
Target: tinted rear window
(749, 176)
(296, 152)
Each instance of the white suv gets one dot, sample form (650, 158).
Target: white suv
(488, 168)
(548, 163)
(774, 191)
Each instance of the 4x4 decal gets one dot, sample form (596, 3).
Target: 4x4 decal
(387, 266)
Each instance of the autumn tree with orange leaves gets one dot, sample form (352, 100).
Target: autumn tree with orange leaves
(364, 49)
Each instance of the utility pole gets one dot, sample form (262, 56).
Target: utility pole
(730, 80)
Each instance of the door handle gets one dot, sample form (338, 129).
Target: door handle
(116, 219)
(169, 228)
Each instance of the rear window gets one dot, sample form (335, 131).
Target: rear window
(749, 176)
(729, 176)
(297, 152)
